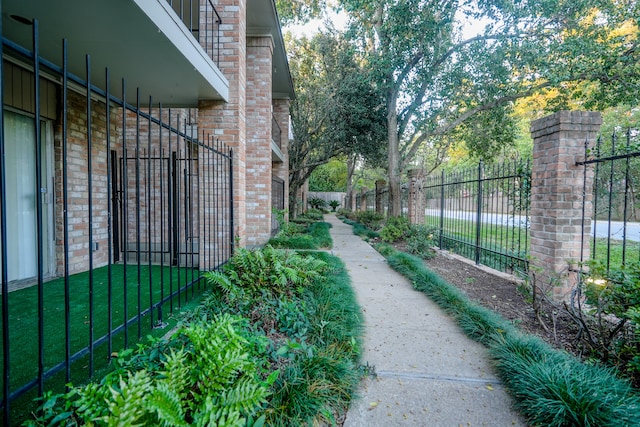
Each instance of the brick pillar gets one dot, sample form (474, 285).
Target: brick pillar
(226, 120)
(417, 200)
(380, 186)
(363, 199)
(556, 196)
(258, 191)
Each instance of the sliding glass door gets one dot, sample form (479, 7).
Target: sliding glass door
(22, 193)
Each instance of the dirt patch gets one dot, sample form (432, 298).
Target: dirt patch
(506, 296)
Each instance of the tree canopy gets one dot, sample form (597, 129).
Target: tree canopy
(436, 78)
(337, 110)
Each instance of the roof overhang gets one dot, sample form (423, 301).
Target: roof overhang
(143, 42)
(262, 19)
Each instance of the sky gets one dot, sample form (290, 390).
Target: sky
(339, 20)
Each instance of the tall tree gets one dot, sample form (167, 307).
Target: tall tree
(299, 11)
(437, 78)
(336, 111)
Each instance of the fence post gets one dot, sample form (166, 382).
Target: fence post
(363, 199)
(380, 187)
(441, 210)
(479, 212)
(417, 201)
(556, 199)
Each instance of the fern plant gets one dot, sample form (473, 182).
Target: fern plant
(210, 380)
(275, 270)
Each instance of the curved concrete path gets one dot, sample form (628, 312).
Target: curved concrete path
(428, 372)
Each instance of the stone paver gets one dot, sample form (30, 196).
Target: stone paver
(428, 373)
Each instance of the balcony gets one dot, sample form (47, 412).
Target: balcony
(276, 141)
(145, 41)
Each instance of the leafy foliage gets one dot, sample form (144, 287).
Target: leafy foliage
(612, 327)
(209, 380)
(396, 228)
(337, 110)
(420, 241)
(275, 271)
(317, 203)
(334, 205)
(438, 80)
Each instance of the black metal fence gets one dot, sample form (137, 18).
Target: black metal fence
(483, 214)
(203, 22)
(614, 165)
(379, 200)
(109, 212)
(480, 213)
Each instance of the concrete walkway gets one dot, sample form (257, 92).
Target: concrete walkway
(428, 372)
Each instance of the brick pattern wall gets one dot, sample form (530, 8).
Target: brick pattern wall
(557, 196)
(258, 172)
(78, 188)
(226, 120)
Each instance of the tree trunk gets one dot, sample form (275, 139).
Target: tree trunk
(393, 158)
(351, 168)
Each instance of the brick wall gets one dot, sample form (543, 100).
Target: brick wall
(78, 188)
(226, 120)
(557, 196)
(258, 171)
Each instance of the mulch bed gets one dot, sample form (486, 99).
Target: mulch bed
(508, 297)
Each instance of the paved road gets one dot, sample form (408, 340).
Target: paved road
(428, 372)
(601, 227)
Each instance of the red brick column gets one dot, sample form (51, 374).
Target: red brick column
(417, 200)
(557, 196)
(226, 120)
(258, 191)
(363, 199)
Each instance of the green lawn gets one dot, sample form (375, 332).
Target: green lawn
(23, 316)
(461, 234)
(500, 244)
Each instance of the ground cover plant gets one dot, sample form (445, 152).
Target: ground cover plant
(289, 354)
(307, 231)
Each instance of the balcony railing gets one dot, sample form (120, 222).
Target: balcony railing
(203, 22)
(276, 132)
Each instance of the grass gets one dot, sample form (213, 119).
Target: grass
(23, 320)
(460, 237)
(549, 387)
(315, 236)
(312, 390)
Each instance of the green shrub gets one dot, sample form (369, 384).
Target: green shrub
(313, 214)
(317, 203)
(615, 333)
(420, 241)
(316, 235)
(396, 228)
(211, 379)
(334, 204)
(362, 231)
(370, 219)
(276, 271)
(554, 389)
